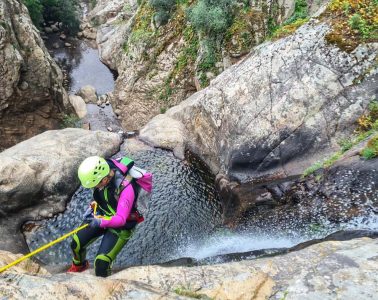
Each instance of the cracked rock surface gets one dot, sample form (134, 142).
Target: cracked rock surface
(279, 110)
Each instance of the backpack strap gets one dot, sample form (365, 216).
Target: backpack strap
(120, 165)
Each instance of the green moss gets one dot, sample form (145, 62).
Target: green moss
(288, 29)
(242, 30)
(367, 126)
(346, 144)
(182, 291)
(71, 121)
(312, 169)
(371, 149)
(331, 160)
(142, 32)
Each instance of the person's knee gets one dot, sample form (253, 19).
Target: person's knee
(103, 265)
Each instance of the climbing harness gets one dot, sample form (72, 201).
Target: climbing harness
(2, 269)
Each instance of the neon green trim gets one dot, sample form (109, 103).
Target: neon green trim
(104, 258)
(76, 250)
(125, 161)
(123, 234)
(107, 200)
(116, 249)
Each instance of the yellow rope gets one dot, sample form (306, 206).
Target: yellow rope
(42, 248)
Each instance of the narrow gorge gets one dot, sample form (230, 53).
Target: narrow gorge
(258, 119)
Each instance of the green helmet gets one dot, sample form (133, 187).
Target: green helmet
(92, 170)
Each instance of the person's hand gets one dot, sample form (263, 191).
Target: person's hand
(93, 222)
(88, 213)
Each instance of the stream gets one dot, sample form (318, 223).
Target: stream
(184, 216)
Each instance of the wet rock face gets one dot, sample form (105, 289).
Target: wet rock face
(39, 175)
(345, 193)
(31, 91)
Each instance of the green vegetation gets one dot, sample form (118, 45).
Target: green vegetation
(371, 150)
(284, 295)
(71, 121)
(369, 122)
(35, 9)
(65, 11)
(312, 169)
(163, 10)
(288, 29)
(182, 291)
(298, 18)
(142, 31)
(300, 12)
(212, 17)
(353, 22)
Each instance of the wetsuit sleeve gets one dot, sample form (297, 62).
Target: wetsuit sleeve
(125, 204)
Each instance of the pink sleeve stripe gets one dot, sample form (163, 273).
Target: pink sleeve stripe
(124, 207)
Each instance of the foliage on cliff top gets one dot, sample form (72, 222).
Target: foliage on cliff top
(353, 22)
(65, 11)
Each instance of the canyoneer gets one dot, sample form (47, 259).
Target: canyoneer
(116, 185)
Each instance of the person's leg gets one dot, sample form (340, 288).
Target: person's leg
(80, 242)
(111, 244)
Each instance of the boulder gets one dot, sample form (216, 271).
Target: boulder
(48, 30)
(88, 93)
(25, 267)
(54, 28)
(79, 106)
(170, 137)
(90, 33)
(39, 175)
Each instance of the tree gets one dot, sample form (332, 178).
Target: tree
(35, 9)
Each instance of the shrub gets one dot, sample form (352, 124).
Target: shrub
(64, 11)
(163, 10)
(300, 11)
(212, 16)
(209, 58)
(371, 149)
(346, 144)
(71, 121)
(166, 5)
(353, 22)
